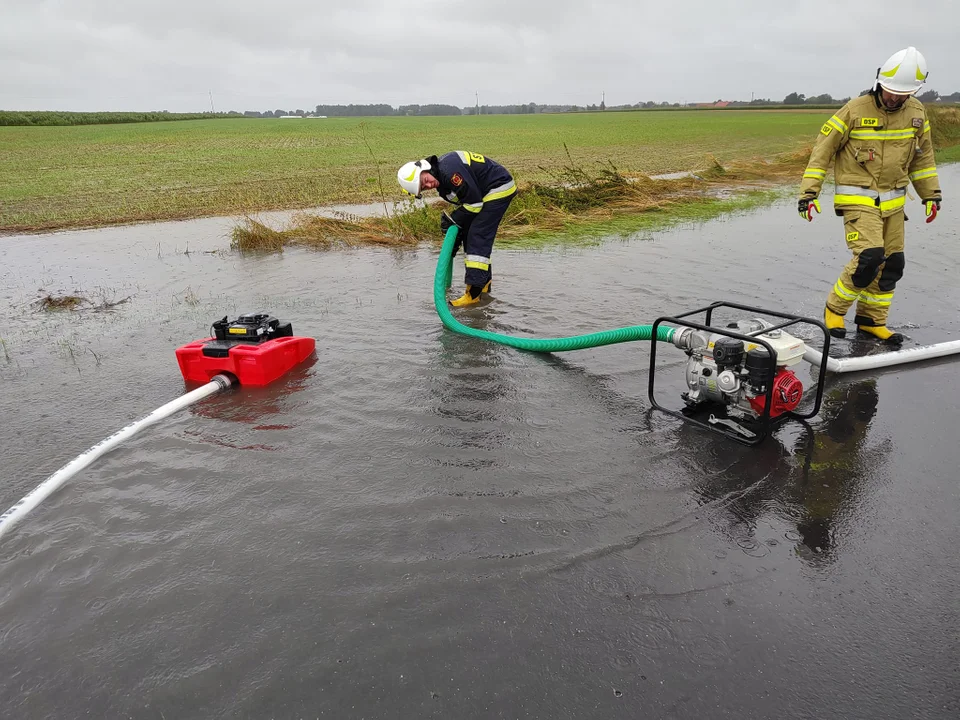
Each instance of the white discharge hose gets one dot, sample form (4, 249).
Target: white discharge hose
(871, 362)
(49, 486)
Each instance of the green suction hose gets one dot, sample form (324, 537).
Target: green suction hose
(442, 279)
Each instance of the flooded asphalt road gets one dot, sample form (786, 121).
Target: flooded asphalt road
(417, 524)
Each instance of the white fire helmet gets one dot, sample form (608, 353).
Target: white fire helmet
(903, 73)
(409, 176)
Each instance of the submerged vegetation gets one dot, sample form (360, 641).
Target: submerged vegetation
(60, 302)
(76, 301)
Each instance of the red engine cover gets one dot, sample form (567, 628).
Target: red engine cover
(251, 364)
(787, 394)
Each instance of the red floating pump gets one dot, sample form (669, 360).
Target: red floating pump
(256, 348)
(787, 394)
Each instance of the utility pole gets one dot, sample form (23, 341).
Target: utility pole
(478, 102)
(211, 101)
(603, 100)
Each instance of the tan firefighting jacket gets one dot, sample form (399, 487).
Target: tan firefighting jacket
(877, 155)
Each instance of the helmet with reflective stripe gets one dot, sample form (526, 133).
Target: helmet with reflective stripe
(903, 73)
(409, 176)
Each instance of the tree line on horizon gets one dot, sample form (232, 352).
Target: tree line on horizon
(47, 118)
(384, 110)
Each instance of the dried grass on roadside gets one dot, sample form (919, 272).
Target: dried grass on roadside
(574, 195)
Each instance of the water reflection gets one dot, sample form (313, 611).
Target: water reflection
(808, 478)
(469, 374)
(834, 466)
(260, 405)
(633, 416)
(474, 393)
(741, 481)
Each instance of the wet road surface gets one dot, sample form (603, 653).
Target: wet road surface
(417, 524)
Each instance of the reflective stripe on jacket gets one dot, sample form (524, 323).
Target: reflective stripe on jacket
(877, 151)
(468, 180)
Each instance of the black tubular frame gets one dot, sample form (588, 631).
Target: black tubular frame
(765, 423)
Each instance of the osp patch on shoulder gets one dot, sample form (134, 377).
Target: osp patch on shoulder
(825, 130)
(918, 122)
(456, 180)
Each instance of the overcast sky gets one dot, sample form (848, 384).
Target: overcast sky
(294, 54)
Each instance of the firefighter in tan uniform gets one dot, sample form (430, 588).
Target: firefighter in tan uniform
(880, 143)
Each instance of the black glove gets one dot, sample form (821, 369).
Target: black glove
(445, 222)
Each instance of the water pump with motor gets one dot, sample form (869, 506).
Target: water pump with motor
(726, 370)
(741, 372)
(256, 348)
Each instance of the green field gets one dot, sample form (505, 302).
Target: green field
(58, 177)
(53, 177)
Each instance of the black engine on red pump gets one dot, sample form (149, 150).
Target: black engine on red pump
(738, 376)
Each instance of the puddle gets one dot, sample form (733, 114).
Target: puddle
(420, 524)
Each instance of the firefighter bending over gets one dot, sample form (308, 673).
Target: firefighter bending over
(482, 189)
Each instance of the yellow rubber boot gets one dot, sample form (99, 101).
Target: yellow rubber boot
(834, 323)
(882, 332)
(471, 295)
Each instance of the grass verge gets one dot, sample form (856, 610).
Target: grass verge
(576, 205)
(945, 128)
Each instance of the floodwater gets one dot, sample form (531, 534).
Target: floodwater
(415, 524)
